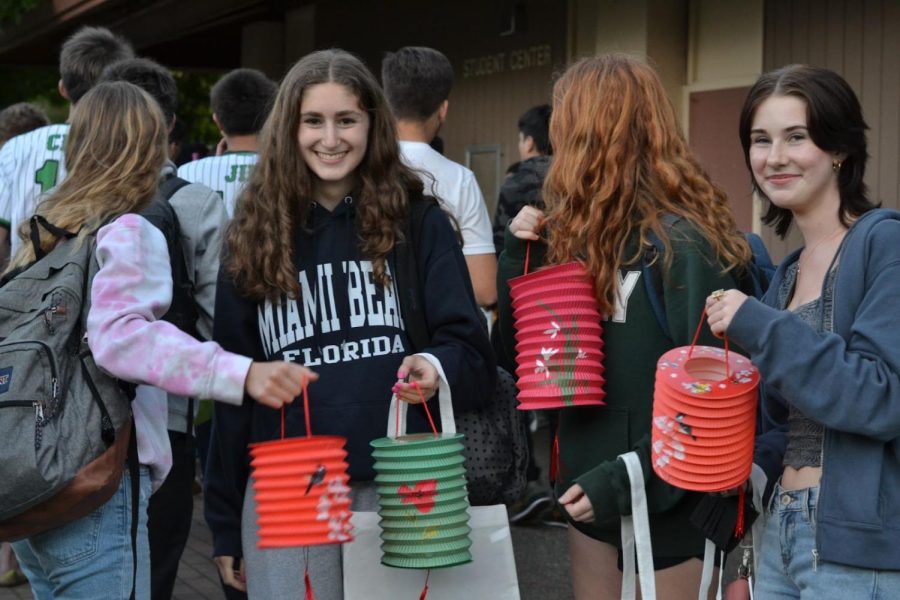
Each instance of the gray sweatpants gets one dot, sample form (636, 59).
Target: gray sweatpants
(278, 573)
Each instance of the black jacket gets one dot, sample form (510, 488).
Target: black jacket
(522, 188)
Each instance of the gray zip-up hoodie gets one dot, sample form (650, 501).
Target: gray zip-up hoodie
(849, 381)
(202, 219)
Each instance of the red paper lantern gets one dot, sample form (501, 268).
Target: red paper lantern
(302, 496)
(704, 416)
(559, 338)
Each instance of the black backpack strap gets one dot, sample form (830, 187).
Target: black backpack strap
(134, 473)
(183, 310)
(38, 221)
(172, 184)
(408, 285)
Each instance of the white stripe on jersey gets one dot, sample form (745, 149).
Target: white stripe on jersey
(225, 174)
(30, 165)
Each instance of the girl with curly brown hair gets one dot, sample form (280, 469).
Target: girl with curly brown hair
(621, 174)
(307, 276)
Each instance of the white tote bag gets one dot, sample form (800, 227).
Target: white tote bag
(491, 574)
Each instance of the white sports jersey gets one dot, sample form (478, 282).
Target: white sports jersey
(225, 174)
(30, 165)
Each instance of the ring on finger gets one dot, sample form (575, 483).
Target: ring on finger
(717, 295)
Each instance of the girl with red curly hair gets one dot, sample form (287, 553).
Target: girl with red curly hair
(622, 174)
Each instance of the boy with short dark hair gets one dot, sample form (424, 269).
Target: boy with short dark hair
(523, 187)
(32, 163)
(240, 103)
(417, 83)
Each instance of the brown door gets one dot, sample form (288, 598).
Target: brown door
(714, 139)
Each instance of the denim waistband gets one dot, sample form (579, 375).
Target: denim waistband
(803, 500)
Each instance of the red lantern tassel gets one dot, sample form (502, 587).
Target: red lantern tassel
(739, 525)
(425, 589)
(309, 590)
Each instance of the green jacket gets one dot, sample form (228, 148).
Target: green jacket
(590, 438)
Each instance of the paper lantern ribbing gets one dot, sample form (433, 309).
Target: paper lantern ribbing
(704, 415)
(301, 492)
(559, 338)
(421, 485)
(302, 496)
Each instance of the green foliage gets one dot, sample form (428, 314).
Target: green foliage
(36, 85)
(12, 10)
(39, 86)
(193, 106)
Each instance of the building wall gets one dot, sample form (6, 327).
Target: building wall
(503, 58)
(724, 59)
(655, 30)
(707, 52)
(858, 39)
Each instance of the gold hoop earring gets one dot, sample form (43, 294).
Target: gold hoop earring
(836, 165)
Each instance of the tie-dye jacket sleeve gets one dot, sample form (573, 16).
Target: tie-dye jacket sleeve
(130, 292)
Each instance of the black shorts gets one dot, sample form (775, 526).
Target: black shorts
(664, 562)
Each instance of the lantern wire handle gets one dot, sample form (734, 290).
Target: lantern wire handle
(305, 410)
(697, 335)
(527, 256)
(415, 384)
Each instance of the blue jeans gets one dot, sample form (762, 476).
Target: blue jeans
(91, 558)
(789, 566)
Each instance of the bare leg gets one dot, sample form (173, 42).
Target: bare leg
(8, 560)
(682, 582)
(595, 575)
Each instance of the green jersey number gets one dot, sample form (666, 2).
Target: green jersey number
(47, 174)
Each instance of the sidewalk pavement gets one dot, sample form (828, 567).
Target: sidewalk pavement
(542, 562)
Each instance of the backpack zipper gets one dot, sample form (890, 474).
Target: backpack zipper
(56, 309)
(39, 419)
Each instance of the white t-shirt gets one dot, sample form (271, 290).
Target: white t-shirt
(226, 174)
(456, 188)
(30, 165)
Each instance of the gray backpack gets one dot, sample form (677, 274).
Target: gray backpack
(66, 425)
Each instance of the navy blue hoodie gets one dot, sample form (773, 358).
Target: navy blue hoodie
(350, 331)
(849, 381)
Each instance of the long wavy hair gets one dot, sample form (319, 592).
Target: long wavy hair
(115, 150)
(619, 165)
(278, 198)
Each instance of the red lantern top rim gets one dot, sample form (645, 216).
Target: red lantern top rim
(743, 376)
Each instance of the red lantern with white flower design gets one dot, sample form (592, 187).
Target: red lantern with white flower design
(704, 418)
(301, 492)
(559, 338)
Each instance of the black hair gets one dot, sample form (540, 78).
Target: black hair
(835, 123)
(241, 101)
(416, 81)
(151, 77)
(535, 123)
(84, 56)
